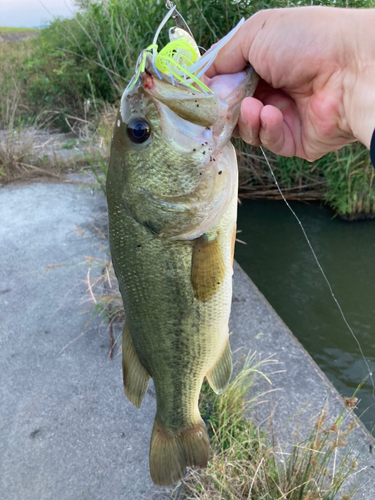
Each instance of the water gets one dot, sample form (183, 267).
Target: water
(279, 261)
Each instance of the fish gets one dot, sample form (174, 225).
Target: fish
(172, 202)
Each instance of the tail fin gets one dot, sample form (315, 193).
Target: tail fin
(171, 453)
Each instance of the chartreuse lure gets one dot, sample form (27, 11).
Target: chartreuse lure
(173, 60)
(179, 59)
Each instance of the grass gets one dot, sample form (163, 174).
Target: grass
(15, 151)
(350, 182)
(298, 179)
(24, 129)
(29, 152)
(6, 29)
(245, 464)
(13, 89)
(344, 179)
(104, 293)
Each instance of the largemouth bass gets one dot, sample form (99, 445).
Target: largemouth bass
(172, 201)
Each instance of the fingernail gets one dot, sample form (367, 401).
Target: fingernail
(263, 124)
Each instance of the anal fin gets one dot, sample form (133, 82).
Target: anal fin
(218, 377)
(135, 376)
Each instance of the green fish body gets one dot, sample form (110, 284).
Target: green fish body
(172, 201)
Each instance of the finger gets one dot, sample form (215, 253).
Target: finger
(272, 133)
(249, 121)
(281, 129)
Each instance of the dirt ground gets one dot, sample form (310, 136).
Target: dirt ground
(17, 36)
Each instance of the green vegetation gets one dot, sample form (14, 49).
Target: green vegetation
(77, 69)
(343, 179)
(13, 88)
(6, 29)
(245, 464)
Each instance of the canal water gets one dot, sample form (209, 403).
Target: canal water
(279, 261)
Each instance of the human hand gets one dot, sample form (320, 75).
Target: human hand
(317, 87)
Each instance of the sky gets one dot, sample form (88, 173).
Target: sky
(29, 13)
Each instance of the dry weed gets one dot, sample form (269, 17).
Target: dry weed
(104, 293)
(104, 128)
(17, 156)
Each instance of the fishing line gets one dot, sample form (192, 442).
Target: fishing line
(180, 487)
(323, 273)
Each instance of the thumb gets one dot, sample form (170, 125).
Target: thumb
(234, 56)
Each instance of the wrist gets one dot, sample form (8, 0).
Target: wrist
(359, 83)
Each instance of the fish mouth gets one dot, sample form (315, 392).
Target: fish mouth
(175, 76)
(188, 107)
(205, 109)
(186, 102)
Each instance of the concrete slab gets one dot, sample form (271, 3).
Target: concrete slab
(66, 429)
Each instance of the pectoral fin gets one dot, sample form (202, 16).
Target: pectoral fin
(218, 377)
(207, 268)
(134, 374)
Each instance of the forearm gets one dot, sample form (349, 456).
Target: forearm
(359, 82)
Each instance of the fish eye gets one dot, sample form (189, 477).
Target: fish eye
(138, 130)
